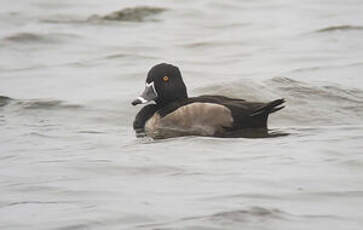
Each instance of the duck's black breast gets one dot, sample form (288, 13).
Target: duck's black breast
(142, 116)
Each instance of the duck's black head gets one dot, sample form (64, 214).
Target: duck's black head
(164, 84)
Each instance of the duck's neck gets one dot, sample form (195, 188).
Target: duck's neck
(165, 103)
(165, 108)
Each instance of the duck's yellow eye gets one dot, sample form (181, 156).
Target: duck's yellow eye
(165, 78)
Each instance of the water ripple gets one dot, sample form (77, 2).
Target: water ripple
(31, 38)
(135, 14)
(339, 28)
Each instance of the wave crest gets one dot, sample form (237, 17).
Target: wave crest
(135, 14)
(37, 103)
(47, 104)
(248, 214)
(339, 28)
(4, 100)
(37, 38)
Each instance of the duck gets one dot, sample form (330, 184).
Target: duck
(174, 114)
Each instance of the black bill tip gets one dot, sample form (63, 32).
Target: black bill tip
(136, 102)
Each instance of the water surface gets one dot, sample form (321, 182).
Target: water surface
(69, 158)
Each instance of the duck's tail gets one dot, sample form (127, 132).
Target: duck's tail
(270, 107)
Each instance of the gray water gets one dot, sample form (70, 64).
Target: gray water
(69, 158)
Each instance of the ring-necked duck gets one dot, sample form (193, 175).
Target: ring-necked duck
(175, 114)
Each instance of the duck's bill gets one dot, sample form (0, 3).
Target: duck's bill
(149, 94)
